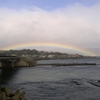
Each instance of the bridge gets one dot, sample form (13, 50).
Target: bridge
(8, 61)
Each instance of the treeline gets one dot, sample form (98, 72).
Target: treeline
(39, 54)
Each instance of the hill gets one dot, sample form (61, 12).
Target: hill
(35, 54)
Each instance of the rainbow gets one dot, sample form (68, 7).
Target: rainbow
(57, 45)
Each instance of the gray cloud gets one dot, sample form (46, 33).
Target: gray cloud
(76, 25)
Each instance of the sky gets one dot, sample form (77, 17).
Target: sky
(65, 22)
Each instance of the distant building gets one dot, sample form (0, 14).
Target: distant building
(50, 56)
(42, 56)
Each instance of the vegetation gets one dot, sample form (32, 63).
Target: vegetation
(35, 54)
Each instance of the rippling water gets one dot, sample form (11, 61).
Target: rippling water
(55, 83)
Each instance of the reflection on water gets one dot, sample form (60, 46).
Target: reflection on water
(7, 75)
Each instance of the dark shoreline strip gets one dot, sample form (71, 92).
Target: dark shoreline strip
(68, 64)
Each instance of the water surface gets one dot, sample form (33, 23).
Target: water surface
(55, 83)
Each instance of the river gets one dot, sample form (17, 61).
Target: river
(55, 82)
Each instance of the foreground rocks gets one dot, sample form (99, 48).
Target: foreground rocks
(7, 94)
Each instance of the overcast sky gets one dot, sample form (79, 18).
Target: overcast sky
(72, 22)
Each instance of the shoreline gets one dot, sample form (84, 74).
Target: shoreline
(67, 64)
